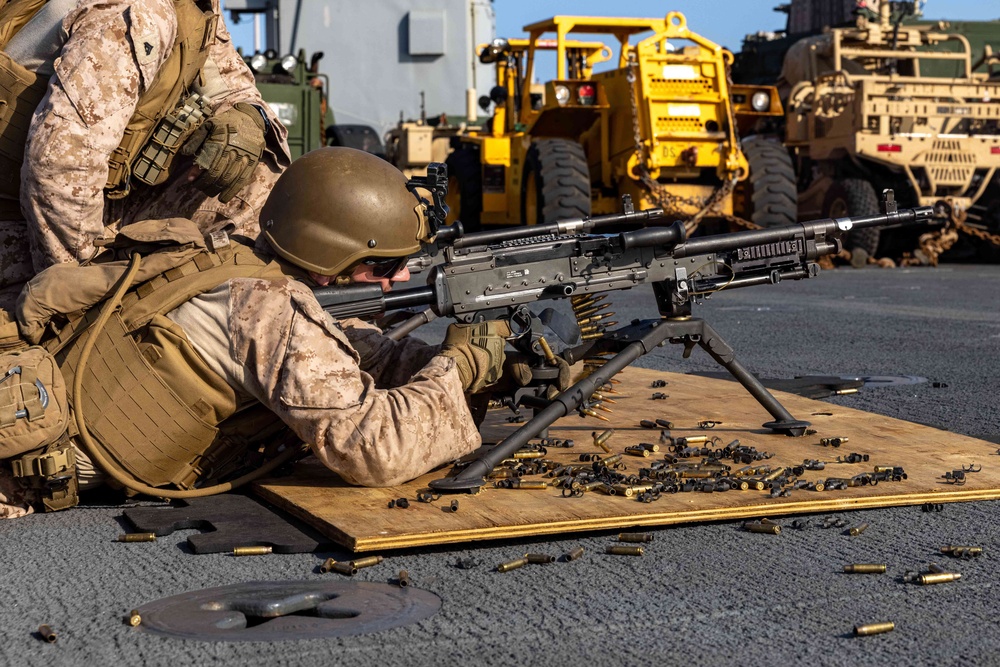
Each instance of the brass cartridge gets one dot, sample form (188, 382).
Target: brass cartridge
(524, 484)
(252, 551)
(883, 468)
(134, 618)
(366, 562)
(403, 579)
(938, 578)
(602, 439)
(857, 530)
(773, 475)
(512, 565)
(646, 423)
(833, 442)
(47, 633)
(635, 537)
(873, 629)
(327, 565)
(137, 537)
(637, 450)
(611, 460)
(962, 551)
(764, 528)
(663, 423)
(624, 551)
(550, 358)
(692, 440)
(593, 413)
(540, 559)
(575, 554)
(650, 446)
(865, 568)
(592, 486)
(624, 490)
(343, 568)
(528, 454)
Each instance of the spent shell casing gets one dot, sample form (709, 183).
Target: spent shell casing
(637, 450)
(327, 565)
(938, 578)
(650, 446)
(540, 559)
(368, 561)
(857, 530)
(528, 454)
(647, 423)
(764, 528)
(602, 439)
(873, 629)
(624, 551)
(47, 633)
(611, 460)
(692, 440)
(137, 537)
(865, 568)
(663, 423)
(575, 554)
(134, 618)
(529, 485)
(962, 551)
(403, 579)
(635, 537)
(935, 568)
(343, 568)
(512, 565)
(252, 551)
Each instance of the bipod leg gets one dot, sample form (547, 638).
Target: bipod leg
(723, 354)
(638, 340)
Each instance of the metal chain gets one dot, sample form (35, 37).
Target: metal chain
(672, 204)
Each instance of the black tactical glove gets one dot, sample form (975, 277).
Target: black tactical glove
(227, 147)
(478, 351)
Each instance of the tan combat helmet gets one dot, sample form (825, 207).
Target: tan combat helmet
(334, 207)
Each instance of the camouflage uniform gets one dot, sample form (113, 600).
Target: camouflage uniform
(98, 79)
(375, 411)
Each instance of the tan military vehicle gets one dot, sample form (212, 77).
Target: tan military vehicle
(862, 116)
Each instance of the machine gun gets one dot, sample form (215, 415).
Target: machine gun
(500, 274)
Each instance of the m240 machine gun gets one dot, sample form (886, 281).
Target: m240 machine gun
(501, 274)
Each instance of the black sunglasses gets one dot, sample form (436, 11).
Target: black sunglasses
(385, 268)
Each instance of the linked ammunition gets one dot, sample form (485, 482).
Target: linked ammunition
(541, 559)
(764, 528)
(547, 351)
(47, 633)
(403, 579)
(865, 568)
(137, 537)
(708, 423)
(938, 578)
(343, 568)
(624, 551)
(635, 537)
(637, 450)
(591, 413)
(873, 629)
(574, 554)
(857, 530)
(602, 439)
(252, 551)
(512, 565)
(366, 562)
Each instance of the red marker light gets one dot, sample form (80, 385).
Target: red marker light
(587, 94)
(995, 150)
(890, 148)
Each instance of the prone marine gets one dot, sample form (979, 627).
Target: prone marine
(189, 364)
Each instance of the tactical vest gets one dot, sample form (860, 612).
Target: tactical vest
(166, 111)
(150, 402)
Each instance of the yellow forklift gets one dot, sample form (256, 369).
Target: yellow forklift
(664, 127)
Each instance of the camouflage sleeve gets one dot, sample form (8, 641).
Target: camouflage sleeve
(301, 365)
(92, 95)
(227, 79)
(389, 362)
(14, 499)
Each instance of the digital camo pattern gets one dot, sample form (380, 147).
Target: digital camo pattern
(99, 78)
(342, 390)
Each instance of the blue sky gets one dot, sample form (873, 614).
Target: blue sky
(722, 21)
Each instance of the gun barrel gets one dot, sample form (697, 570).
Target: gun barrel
(829, 226)
(569, 226)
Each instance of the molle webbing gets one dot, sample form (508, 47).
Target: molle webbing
(20, 93)
(174, 80)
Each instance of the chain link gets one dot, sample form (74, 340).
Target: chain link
(672, 204)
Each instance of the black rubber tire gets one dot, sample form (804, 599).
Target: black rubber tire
(856, 197)
(772, 195)
(463, 164)
(557, 168)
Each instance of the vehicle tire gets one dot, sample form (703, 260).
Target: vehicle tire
(556, 183)
(852, 197)
(465, 188)
(362, 137)
(772, 195)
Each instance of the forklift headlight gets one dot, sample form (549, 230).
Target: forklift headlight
(258, 62)
(288, 63)
(562, 95)
(761, 101)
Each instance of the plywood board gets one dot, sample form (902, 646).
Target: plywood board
(361, 520)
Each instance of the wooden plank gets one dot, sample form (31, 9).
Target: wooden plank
(360, 519)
